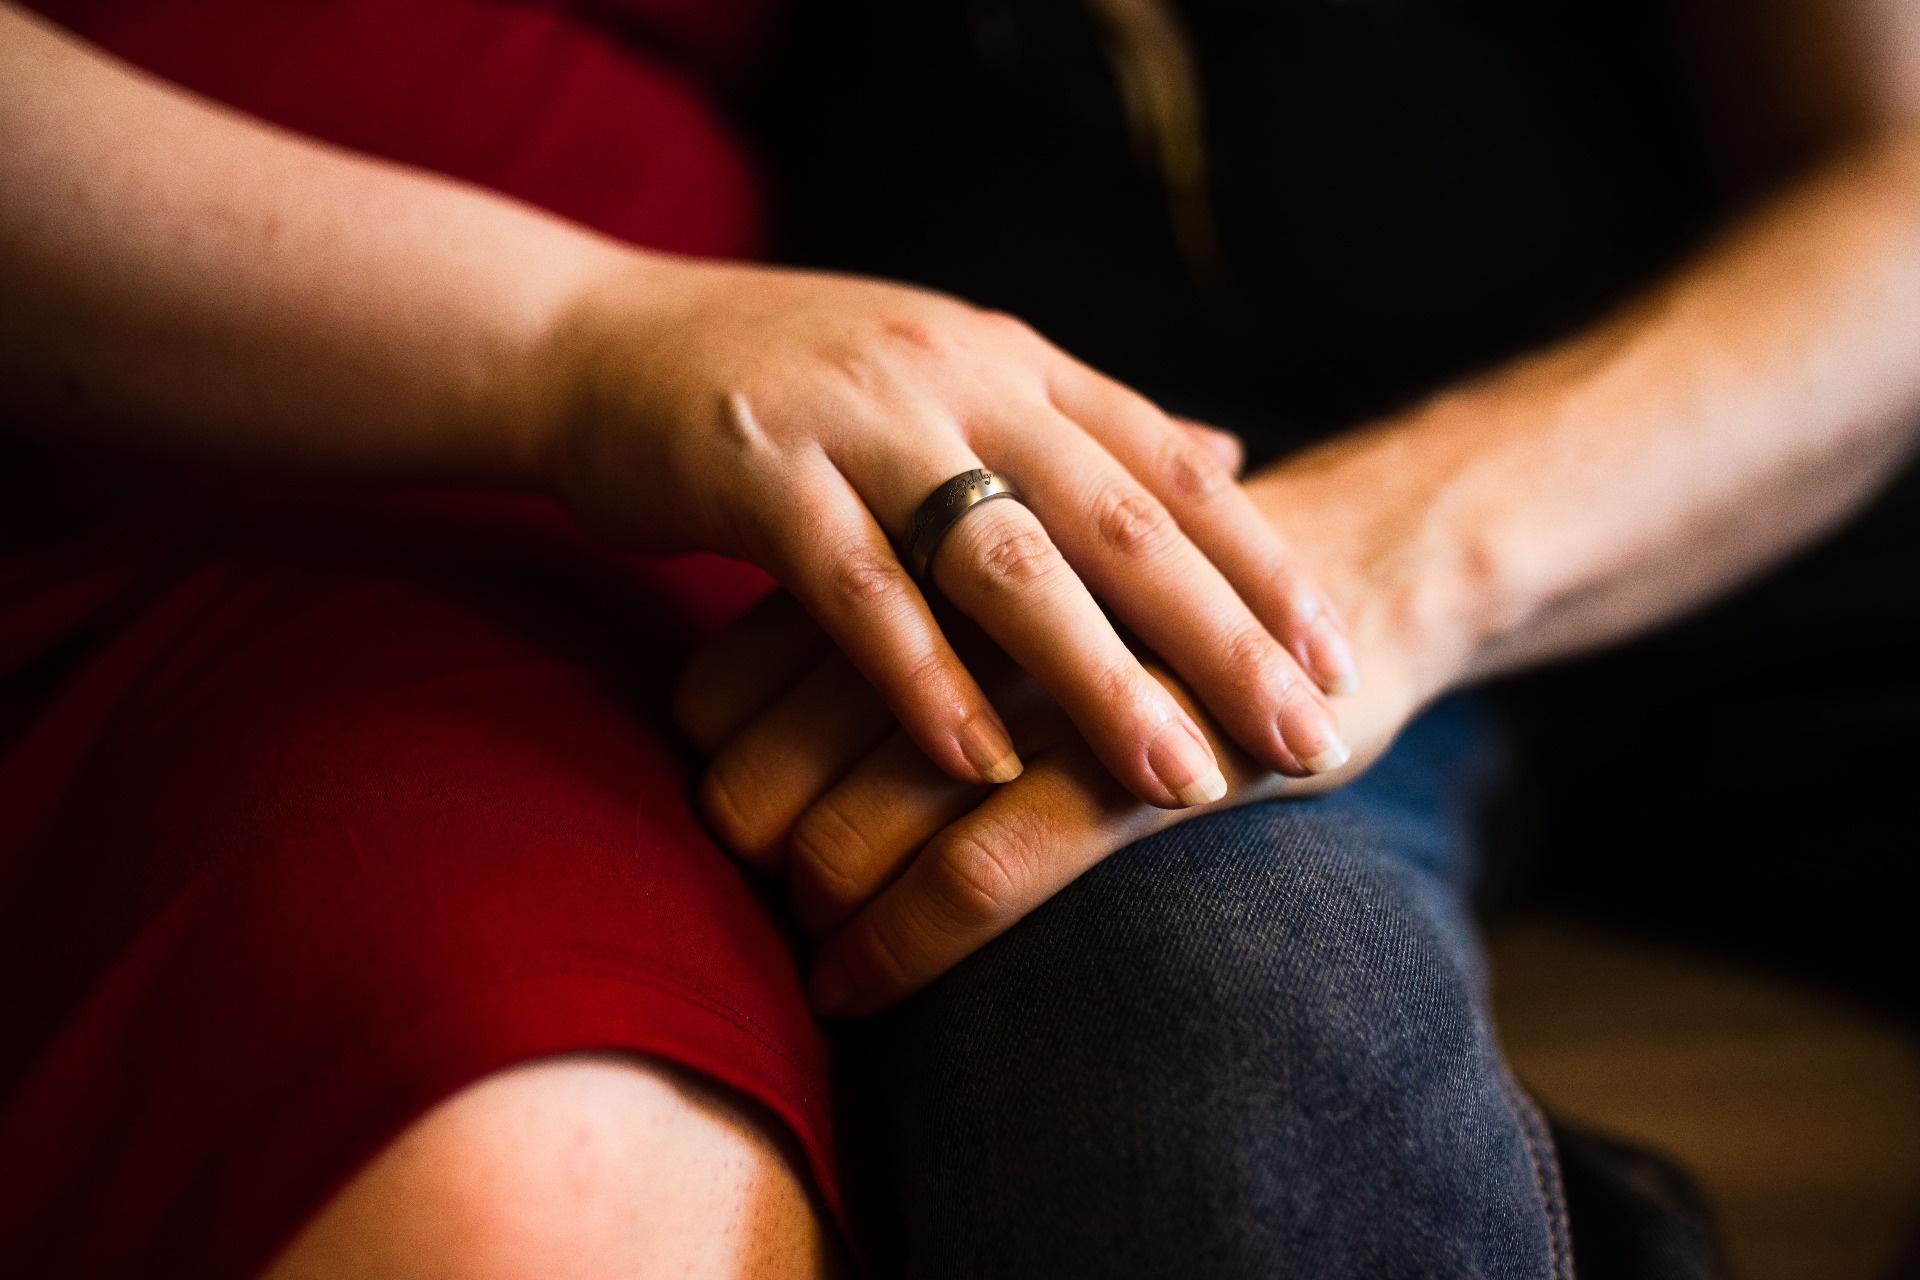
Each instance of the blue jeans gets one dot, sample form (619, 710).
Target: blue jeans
(1254, 1045)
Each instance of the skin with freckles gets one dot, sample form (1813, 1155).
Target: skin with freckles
(582, 1167)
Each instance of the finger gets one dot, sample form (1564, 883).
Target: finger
(769, 772)
(1191, 477)
(1228, 449)
(829, 552)
(998, 566)
(855, 839)
(984, 872)
(1131, 551)
(771, 769)
(739, 672)
(977, 878)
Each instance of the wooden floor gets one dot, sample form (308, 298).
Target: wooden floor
(1799, 1115)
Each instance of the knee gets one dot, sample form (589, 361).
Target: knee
(1267, 951)
(582, 1167)
(1255, 1042)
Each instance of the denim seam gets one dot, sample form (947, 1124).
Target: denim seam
(1532, 1125)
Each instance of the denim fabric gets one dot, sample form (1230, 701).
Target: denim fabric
(1254, 1045)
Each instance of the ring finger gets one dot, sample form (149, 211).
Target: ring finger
(997, 565)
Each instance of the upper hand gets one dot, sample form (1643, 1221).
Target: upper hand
(796, 420)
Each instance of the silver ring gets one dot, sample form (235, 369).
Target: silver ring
(942, 510)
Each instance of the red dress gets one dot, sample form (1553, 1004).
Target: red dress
(316, 808)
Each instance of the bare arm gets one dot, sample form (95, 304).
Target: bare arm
(186, 278)
(1750, 403)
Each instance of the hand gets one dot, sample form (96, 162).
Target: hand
(904, 871)
(797, 420)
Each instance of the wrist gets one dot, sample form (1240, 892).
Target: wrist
(1390, 519)
(551, 372)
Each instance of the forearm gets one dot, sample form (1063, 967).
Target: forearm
(185, 280)
(1610, 483)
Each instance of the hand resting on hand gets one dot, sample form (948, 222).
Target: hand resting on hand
(902, 871)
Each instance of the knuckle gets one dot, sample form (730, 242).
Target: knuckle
(853, 369)
(927, 672)
(1191, 471)
(1248, 649)
(918, 335)
(1118, 682)
(866, 575)
(891, 953)
(975, 888)
(721, 801)
(1256, 661)
(1017, 557)
(830, 848)
(1130, 521)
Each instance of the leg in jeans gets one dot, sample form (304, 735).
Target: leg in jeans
(1254, 1045)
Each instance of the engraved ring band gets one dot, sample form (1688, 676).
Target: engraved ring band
(943, 509)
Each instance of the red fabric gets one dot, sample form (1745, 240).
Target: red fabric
(314, 810)
(349, 810)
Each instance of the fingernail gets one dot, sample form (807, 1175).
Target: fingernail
(1326, 761)
(1312, 736)
(1185, 765)
(985, 744)
(1330, 658)
(829, 987)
